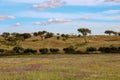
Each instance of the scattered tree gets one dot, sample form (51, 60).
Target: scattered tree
(84, 32)
(109, 32)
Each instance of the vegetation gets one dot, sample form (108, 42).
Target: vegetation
(69, 50)
(54, 50)
(84, 32)
(31, 65)
(61, 67)
(11, 42)
(43, 50)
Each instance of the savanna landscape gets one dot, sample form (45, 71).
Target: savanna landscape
(59, 40)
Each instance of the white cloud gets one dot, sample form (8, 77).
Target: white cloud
(111, 1)
(52, 21)
(96, 27)
(82, 16)
(112, 12)
(17, 24)
(48, 4)
(70, 2)
(85, 18)
(92, 2)
(4, 17)
(25, 1)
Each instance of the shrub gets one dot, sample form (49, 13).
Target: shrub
(79, 52)
(28, 50)
(110, 49)
(54, 50)
(113, 49)
(2, 50)
(18, 49)
(43, 50)
(105, 49)
(119, 48)
(69, 50)
(91, 49)
(58, 37)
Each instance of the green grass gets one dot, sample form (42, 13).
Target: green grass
(61, 67)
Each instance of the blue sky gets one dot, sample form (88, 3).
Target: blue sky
(59, 16)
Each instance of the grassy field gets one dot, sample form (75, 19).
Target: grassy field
(94, 41)
(61, 67)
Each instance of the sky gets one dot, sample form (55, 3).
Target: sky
(59, 16)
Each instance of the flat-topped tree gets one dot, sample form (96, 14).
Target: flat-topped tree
(109, 32)
(84, 32)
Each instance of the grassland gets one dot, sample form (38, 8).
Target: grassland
(94, 41)
(61, 67)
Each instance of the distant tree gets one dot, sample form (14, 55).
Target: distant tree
(58, 33)
(6, 35)
(118, 33)
(62, 35)
(109, 32)
(49, 35)
(35, 34)
(12, 40)
(65, 36)
(21, 37)
(84, 32)
(42, 34)
(14, 34)
(26, 35)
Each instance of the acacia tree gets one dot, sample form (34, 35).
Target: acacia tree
(84, 32)
(35, 34)
(6, 35)
(109, 32)
(42, 33)
(115, 33)
(49, 35)
(14, 34)
(118, 33)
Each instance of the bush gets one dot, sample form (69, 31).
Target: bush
(69, 50)
(18, 49)
(43, 50)
(110, 49)
(91, 49)
(2, 50)
(113, 49)
(79, 52)
(105, 49)
(119, 48)
(54, 50)
(28, 50)
(58, 37)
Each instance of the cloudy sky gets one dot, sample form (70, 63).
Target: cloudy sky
(59, 16)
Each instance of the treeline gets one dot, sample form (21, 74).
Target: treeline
(16, 38)
(68, 50)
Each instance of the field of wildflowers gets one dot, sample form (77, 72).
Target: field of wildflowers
(61, 67)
